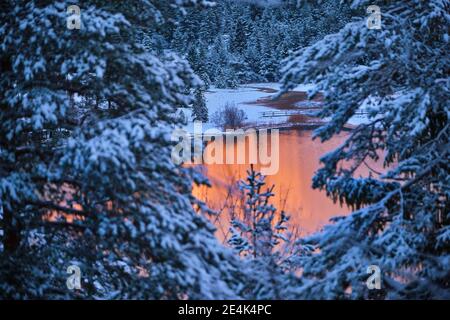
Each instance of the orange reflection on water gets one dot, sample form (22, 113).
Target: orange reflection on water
(299, 159)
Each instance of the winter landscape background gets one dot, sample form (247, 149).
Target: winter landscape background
(93, 205)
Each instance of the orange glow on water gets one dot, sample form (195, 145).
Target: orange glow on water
(299, 159)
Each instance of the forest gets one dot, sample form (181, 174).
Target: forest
(94, 206)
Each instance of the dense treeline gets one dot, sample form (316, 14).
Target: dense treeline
(237, 42)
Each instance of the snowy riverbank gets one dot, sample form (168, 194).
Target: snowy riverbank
(261, 111)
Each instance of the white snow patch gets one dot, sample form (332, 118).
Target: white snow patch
(241, 97)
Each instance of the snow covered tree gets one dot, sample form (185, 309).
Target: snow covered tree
(93, 184)
(239, 39)
(197, 57)
(400, 73)
(199, 108)
(261, 227)
(260, 234)
(223, 62)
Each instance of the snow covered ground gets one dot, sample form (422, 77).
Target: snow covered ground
(246, 98)
(241, 97)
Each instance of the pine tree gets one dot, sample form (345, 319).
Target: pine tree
(224, 75)
(401, 223)
(199, 108)
(259, 234)
(239, 40)
(261, 227)
(93, 185)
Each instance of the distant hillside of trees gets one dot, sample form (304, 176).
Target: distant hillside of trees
(238, 42)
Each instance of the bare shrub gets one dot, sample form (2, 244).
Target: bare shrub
(229, 117)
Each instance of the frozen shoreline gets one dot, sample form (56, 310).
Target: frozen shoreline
(254, 99)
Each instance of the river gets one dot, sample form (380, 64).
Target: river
(299, 155)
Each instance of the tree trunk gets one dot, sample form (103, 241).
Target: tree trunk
(11, 236)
